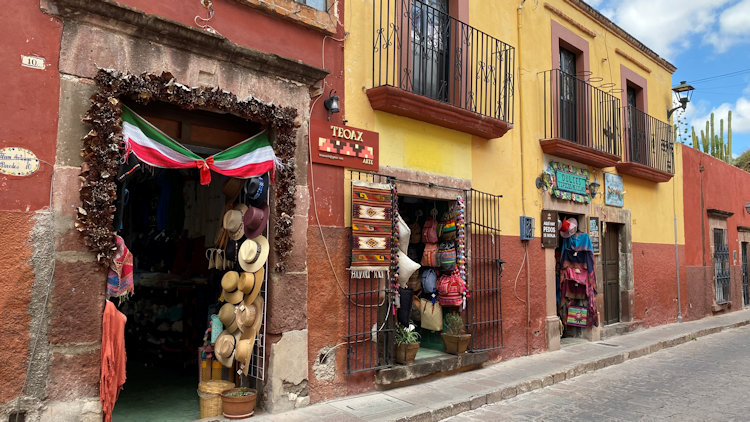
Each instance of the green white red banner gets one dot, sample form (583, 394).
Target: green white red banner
(252, 157)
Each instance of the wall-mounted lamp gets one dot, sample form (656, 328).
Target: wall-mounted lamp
(544, 181)
(683, 92)
(332, 103)
(594, 187)
(747, 208)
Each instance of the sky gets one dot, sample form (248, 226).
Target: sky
(709, 43)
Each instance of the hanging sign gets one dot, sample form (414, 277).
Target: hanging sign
(613, 192)
(549, 229)
(344, 146)
(16, 161)
(567, 182)
(594, 233)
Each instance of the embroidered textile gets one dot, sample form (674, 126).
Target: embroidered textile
(372, 227)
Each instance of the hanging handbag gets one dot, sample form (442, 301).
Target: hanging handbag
(429, 231)
(431, 315)
(451, 288)
(448, 228)
(578, 316)
(429, 281)
(430, 255)
(447, 256)
(416, 232)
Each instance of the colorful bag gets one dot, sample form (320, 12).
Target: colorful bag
(577, 316)
(429, 281)
(430, 255)
(448, 229)
(451, 288)
(447, 256)
(429, 231)
(431, 315)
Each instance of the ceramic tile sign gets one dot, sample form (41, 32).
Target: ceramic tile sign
(549, 229)
(567, 182)
(16, 161)
(613, 193)
(594, 233)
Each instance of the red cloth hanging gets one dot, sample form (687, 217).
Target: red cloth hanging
(113, 358)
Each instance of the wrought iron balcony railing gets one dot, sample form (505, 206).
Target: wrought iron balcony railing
(579, 112)
(425, 51)
(649, 141)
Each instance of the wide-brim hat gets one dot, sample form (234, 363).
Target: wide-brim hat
(232, 189)
(228, 317)
(246, 316)
(250, 284)
(255, 221)
(230, 280)
(257, 190)
(232, 223)
(225, 348)
(258, 283)
(247, 338)
(568, 227)
(233, 297)
(253, 254)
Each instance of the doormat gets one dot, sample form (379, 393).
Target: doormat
(372, 226)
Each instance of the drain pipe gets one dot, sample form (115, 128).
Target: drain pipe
(523, 184)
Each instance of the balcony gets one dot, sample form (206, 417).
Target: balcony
(581, 122)
(649, 147)
(434, 68)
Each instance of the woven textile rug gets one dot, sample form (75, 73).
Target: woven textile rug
(372, 225)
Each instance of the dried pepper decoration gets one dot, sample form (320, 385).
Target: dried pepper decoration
(102, 150)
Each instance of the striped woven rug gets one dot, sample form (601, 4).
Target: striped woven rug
(372, 225)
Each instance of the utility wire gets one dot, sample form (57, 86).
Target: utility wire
(735, 73)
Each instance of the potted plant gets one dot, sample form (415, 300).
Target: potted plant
(407, 343)
(455, 338)
(239, 403)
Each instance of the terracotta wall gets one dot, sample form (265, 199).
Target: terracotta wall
(722, 187)
(655, 283)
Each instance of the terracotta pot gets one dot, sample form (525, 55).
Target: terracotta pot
(238, 407)
(456, 344)
(406, 352)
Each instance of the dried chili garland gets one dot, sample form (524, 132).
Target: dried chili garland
(102, 150)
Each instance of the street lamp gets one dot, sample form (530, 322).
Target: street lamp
(683, 92)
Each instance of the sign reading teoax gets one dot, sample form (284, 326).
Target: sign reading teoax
(344, 146)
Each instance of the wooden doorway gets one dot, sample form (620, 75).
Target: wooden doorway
(610, 257)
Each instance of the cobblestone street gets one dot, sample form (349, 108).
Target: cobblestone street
(703, 380)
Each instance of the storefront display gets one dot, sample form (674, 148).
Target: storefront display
(577, 277)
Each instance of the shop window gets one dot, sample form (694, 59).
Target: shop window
(721, 266)
(430, 38)
(316, 4)
(439, 244)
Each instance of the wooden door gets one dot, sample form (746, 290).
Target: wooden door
(610, 257)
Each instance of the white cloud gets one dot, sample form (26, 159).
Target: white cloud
(740, 117)
(734, 27)
(666, 26)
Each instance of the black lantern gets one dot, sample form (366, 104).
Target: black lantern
(332, 103)
(594, 187)
(683, 92)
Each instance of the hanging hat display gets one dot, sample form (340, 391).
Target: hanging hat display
(568, 227)
(253, 254)
(257, 190)
(233, 224)
(255, 282)
(229, 283)
(227, 316)
(255, 221)
(225, 348)
(248, 336)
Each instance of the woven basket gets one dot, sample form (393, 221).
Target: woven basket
(210, 396)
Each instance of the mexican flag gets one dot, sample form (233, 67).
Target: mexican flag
(252, 157)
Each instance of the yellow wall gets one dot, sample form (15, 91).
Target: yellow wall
(509, 165)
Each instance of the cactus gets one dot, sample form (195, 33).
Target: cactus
(729, 138)
(713, 143)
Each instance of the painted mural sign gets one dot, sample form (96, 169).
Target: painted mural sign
(594, 233)
(567, 182)
(16, 161)
(613, 192)
(549, 229)
(344, 146)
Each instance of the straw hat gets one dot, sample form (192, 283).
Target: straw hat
(228, 317)
(230, 292)
(247, 338)
(233, 224)
(250, 284)
(255, 220)
(225, 348)
(242, 208)
(246, 316)
(253, 254)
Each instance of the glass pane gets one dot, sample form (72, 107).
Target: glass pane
(318, 4)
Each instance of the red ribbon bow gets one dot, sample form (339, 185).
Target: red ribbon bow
(205, 168)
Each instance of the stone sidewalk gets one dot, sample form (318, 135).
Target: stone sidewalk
(448, 396)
